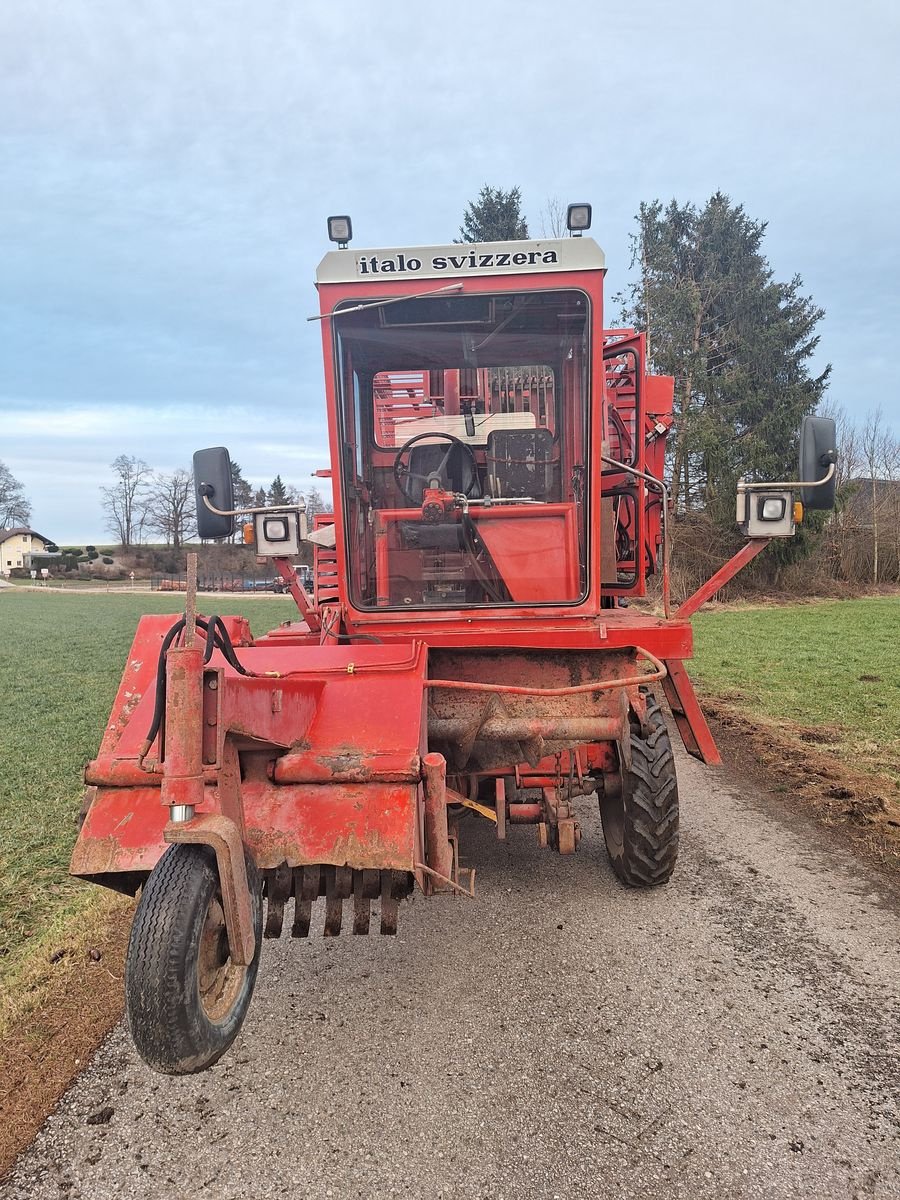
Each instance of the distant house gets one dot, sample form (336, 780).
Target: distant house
(17, 545)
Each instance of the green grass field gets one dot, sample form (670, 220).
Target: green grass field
(61, 658)
(832, 666)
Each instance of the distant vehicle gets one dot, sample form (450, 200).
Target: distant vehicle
(304, 575)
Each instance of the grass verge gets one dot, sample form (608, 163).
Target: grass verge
(814, 692)
(72, 1001)
(60, 667)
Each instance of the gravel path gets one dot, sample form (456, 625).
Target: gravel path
(733, 1035)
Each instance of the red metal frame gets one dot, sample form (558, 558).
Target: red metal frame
(692, 725)
(409, 624)
(706, 591)
(294, 713)
(333, 757)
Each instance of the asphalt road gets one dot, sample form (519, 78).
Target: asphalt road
(733, 1035)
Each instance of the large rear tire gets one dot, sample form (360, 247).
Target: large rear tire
(639, 810)
(184, 997)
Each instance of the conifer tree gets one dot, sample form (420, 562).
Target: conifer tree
(738, 342)
(496, 216)
(277, 494)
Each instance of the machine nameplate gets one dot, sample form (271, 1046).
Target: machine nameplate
(489, 258)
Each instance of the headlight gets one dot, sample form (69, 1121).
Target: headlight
(772, 508)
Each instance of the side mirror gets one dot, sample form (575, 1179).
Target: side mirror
(818, 452)
(213, 482)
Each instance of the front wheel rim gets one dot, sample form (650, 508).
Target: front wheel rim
(219, 980)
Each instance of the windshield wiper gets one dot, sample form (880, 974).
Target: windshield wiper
(340, 312)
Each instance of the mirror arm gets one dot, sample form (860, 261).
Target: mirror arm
(237, 512)
(744, 486)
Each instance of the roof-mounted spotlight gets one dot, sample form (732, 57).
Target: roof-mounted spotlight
(340, 230)
(578, 218)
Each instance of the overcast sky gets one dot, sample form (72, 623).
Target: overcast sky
(166, 169)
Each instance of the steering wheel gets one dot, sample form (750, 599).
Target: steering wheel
(404, 476)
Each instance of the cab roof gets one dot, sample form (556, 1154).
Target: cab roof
(462, 260)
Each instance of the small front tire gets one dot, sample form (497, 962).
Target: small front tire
(184, 997)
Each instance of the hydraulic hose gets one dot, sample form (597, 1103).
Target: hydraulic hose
(217, 638)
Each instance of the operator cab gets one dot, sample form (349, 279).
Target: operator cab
(463, 423)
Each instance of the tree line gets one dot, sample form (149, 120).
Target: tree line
(141, 501)
(740, 344)
(862, 540)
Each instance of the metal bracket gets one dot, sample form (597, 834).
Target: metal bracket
(559, 829)
(223, 836)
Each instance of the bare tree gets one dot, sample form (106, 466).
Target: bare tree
(892, 474)
(170, 507)
(316, 503)
(14, 507)
(312, 498)
(874, 441)
(849, 456)
(862, 538)
(553, 218)
(841, 531)
(124, 504)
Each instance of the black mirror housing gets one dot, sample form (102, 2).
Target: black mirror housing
(818, 451)
(213, 481)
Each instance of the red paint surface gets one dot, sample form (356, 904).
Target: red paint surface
(331, 714)
(362, 825)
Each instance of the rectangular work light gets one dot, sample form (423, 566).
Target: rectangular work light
(279, 534)
(340, 230)
(578, 218)
(772, 508)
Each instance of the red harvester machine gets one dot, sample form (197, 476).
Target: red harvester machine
(466, 646)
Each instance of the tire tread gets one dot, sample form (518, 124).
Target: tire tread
(171, 1031)
(650, 799)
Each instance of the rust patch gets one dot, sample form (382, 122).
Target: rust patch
(348, 849)
(94, 856)
(346, 764)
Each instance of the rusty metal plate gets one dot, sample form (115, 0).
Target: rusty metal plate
(278, 888)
